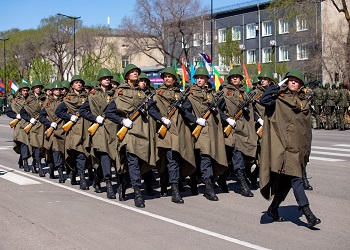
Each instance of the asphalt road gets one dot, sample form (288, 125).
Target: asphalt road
(39, 213)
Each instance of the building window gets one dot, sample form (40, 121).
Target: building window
(251, 56)
(283, 54)
(125, 61)
(222, 35)
(266, 55)
(283, 26)
(301, 23)
(207, 38)
(301, 52)
(236, 60)
(267, 28)
(251, 31)
(221, 60)
(184, 42)
(197, 40)
(236, 33)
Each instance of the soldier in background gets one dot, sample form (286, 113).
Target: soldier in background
(343, 104)
(330, 97)
(2, 98)
(66, 88)
(115, 81)
(47, 90)
(318, 99)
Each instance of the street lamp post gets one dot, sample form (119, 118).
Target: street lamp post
(4, 40)
(74, 18)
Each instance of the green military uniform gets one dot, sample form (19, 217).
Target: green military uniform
(343, 104)
(331, 99)
(318, 98)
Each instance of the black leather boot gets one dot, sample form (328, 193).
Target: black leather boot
(97, 183)
(306, 182)
(20, 162)
(138, 200)
(122, 189)
(192, 182)
(60, 174)
(176, 198)
(245, 191)
(312, 220)
(34, 171)
(25, 165)
(41, 171)
(91, 174)
(33, 162)
(272, 211)
(73, 177)
(149, 188)
(222, 183)
(83, 183)
(163, 181)
(52, 171)
(109, 189)
(210, 194)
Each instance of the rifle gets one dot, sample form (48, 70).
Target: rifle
(163, 129)
(49, 131)
(259, 131)
(66, 127)
(30, 125)
(93, 128)
(14, 122)
(140, 109)
(196, 132)
(251, 95)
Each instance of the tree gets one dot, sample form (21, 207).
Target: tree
(230, 50)
(41, 69)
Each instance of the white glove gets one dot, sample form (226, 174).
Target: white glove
(74, 118)
(349, 108)
(166, 122)
(231, 122)
(54, 125)
(201, 121)
(127, 123)
(18, 116)
(33, 121)
(282, 82)
(100, 119)
(312, 106)
(261, 121)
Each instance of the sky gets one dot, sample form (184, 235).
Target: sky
(26, 14)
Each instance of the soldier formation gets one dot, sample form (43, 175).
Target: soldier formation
(196, 133)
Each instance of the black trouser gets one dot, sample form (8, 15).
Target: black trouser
(24, 151)
(80, 160)
(173, 166)
(134, 169)
(287, 182)
(106, 164)
(237, 160)
(36, 154)
(57, 158)
(206, 167)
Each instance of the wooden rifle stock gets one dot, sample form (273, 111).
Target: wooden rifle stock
(124, 130)
(93, 128)
(259, 131)
(229, 128)
(30, 125)
(163, 129)
(14, 122)
(196, 132)
(49, 131)
(66, 127)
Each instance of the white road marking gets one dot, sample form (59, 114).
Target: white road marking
(342, 145)
(329, 153)
(332, 149)
(159, 217)
(16, 178)
(6, 147)
(324, 159)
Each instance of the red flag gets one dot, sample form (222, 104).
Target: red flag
(259, 68)
(249, 86)
(184, 72)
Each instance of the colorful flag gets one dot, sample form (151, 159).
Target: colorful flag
(175, 67)
(248, 85)
(259, 68)
(205, 57)
(25, 81)
(184, 73)
(200, 62)
(217, 78)
(192, 70)
(13, 86)
(2, 87)
(231, 66)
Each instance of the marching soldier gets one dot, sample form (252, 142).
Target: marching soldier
(20, 138)
(30, 113)
(286, 144)
(343, 104)
(242, 142)
(331, 99)
(88, 86)
(102, 146)
(135, 145)
(54, 143)
(66, 88)
(210, 142)
(318, 98)
(76, 136)
(115, 81)
(47, 90)
(176, 145)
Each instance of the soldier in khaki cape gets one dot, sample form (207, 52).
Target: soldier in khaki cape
(177, 145)
(286, 144)
(66, 88)
(115, 82)
(318, 96)
(330, 101)
(102, 144)
(77, 137)
(135, 145)
(242, 142)
(210, 143)
(55, 143)
(343, 104)
(20, 138)
(30, 113)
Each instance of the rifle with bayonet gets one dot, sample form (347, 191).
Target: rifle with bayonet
(66, 127)
(241, 108)
(163, 129)
(138, 111)
(196, 132)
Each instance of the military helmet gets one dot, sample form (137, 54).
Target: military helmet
(36, 83)
(296, 73)
(201, 71)
(169, 70)
(151, 84)
(77, 78)
(334, 85)
(234, 71)
(103, 73)
(66, 84)
(144, 76)
(255, 79)
(341, 84)
(267, 73)
(88, 84)
(95, 83)
(56, 85)
(23, 85)
(130, 67)
(327, 85)
(116, 78)
(48, 86)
